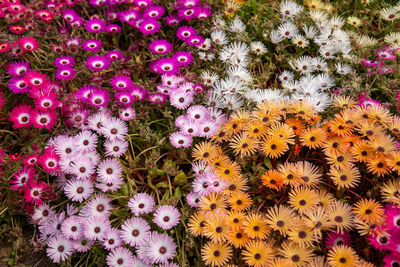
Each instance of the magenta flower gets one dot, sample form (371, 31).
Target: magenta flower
(95, 25)
(92, 45)
(183, 58)
(34, 192)
(149, 26)
(21, 116)
(97, 63)
(18, 68)
(160, 46)
(22, 178)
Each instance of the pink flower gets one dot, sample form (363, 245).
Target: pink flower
(34, 192)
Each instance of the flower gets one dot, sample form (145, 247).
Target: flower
(135, 232)
(28, 43)
(97, 63)
(35, 191)
(120, 257)
(59, 248)
(141, 203)
(166, 217)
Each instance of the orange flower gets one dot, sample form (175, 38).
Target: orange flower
(272, 179)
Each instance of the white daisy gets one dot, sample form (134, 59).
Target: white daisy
(219, 37)
(237, 25)
(258, 48)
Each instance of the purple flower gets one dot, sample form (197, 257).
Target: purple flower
(198, 113)
(167, 66)
(193, 199)
(70, 15)
(92, 45)
(129, 16)
(121, 82)
(97, 63)
(94, 227)
(160, 46)
(114, 55)
(154, 12)
(95, 25)
(187, 13)
(185, 32)
(59, 248)
(160, 248)
(71, 228)
(111, 239)
(172, 20)
(183, 58)
(127, 113)
(113, 28)
(18, 85)
(98, 97)
(149, 26)
(18, 68)
(109, 170)
(166, 217)
(78, 190)
(157, 98)
(195, 40)
(65, 73)
(64, 61)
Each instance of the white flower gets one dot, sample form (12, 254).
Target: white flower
(290, 9)
(310, 31)
(240, 73)
(343, 68)
(286, 76)
(288, 30)
(258, 48)
(237, 25)
(209, 78)
(219, 37)
(275, 37)
(300, 41)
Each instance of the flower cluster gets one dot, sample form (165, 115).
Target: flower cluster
(303, 162)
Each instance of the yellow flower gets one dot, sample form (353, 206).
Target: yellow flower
(302, 199)
(296, 255)
(391, 191)
(239, 238)
(313, 137)
(239, 201)
(368, 211)
(345, 178)
(378, 165)
(257, 253)
(341, 216)
(255, 226)
(308, 173)
(343, 256)
(212, 202)
(274, 147)
(216, 254)
(244, 145)
(217, 228)
(300, 234)
(196, 223)
(205, 151)
(279, 218)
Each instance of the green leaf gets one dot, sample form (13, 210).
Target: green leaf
(180, 179)
(178, 193)
(267, 163)
(162, 185)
